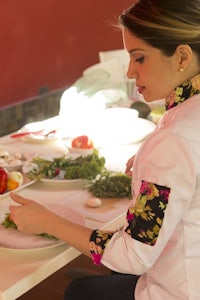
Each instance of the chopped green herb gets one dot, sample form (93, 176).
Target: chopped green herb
(111, 185)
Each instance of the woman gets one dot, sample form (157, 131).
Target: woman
(160, 240)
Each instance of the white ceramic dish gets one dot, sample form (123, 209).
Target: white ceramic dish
(17, 189)
(139, 130)
(62, 181)
(13, 168)
(81, 151)
(78, 151)
(118, 124)
(11, 239)
(37, 138)
(42, 127)
(10, 159)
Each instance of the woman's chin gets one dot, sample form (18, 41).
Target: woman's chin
(149, 99)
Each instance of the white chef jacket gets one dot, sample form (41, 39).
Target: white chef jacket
(169, 157)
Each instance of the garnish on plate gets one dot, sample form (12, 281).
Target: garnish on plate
(10, 180)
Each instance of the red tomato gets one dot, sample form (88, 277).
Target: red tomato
(3, 180)
(82, 142)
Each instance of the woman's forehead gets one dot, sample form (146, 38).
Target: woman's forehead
(132, 42)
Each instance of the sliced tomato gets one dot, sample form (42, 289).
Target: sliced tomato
(82, 142)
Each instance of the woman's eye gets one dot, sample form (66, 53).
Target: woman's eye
(140, 59)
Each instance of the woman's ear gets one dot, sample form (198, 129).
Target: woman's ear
(184, 54)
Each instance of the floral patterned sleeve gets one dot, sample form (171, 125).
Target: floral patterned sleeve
(144, 219)
(98, 241)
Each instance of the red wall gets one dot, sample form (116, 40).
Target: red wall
(48, 43)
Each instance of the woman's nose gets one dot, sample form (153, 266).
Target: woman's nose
(131, 72)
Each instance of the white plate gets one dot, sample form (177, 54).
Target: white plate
(12, 158)
(65, 181)
(11, 239)
(136, 133)
(41, 138)
(17, 189)
(12, 168)
(80, 151)
(49, 124)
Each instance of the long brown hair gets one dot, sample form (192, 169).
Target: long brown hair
(165, 24)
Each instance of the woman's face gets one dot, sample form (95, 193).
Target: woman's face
(156, 75)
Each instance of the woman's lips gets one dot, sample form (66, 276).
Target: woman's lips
(140, 89)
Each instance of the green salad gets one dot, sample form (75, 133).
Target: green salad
(100, 182)
(81, 167)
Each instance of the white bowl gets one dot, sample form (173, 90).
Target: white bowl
(118, 124)
(13, 168)
(81, 150)
(11, 160)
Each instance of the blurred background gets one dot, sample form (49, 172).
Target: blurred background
(45, 46)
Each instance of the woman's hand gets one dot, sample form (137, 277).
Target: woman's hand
(129, 166)
(33, 218)
(30, 216)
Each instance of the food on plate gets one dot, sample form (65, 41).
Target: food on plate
(79, 167)
(94, 202)
(8, 159)
(111, 185)
(82, 142)
(10, 180)
(4, 153)
(8, 223)
(14, 180)
(3, 180)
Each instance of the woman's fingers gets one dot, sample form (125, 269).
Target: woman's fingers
(129, 166)
(19, 199)
(14, 209)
